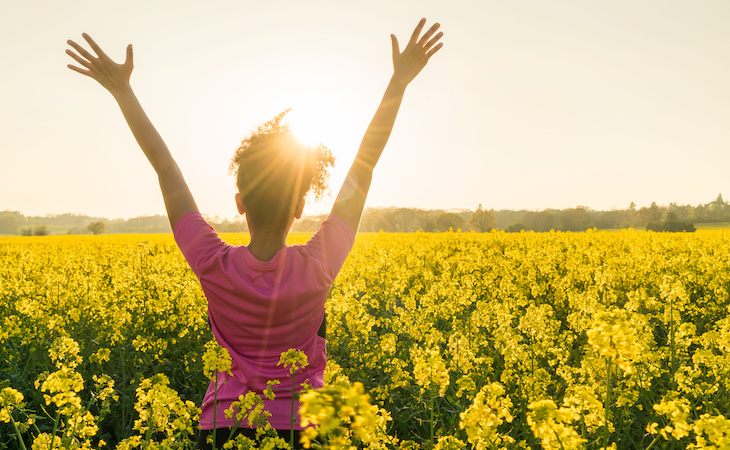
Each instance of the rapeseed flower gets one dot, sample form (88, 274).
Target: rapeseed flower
(584, 405)
(430, 370)
(717, 430)
(677, 411)
(250, 406)
(490, 409)
(293, 359)
(551, 426)
(216, 359)
(63, 384)
(161, 410)
(10, 399)
(449, 443)
(612, 337)
(65, 352)
(340, 412)
(45, 441)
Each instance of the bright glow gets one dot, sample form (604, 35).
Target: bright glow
(501, 115)
(322, 120)
(316, 120)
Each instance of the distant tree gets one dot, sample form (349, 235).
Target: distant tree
(717, 208)
(26, 231)
(671, 217)
(240, 226)
(515, 227)
(651, 214)
(541, 221)
(447, 221)
(719, 201)
(700, 213)
(40, 230)
(308, 223)
(376, 220)
(574, 219)
(616, 218)
(10, 221)
(429, 225)
(96, 227)
(671, 224)
(671, 227)
(630, 219)
(482, 221)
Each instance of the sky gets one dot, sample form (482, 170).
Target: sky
(530, 104)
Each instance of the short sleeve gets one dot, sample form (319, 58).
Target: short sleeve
(331, 244)
(197, 240)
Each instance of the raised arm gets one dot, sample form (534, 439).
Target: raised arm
(406, 65)
(115, 78)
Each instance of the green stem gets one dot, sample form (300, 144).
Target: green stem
(124, 378)
(558, 438)
(671, 334)
(532, 370)
(656, 439)
(431, 421)
(215, 408)
(608, 402)
(385, 433)
(291, 423)
(17, 432)
(55, 427)
(149, 432)
(491, 445)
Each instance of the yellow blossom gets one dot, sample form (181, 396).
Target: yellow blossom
(430, 370)
(291, 358)
(9, 400)
(613, 337)
(216, 359)
(490, 409)
(552, 426)
(340, 411)
(65, 352)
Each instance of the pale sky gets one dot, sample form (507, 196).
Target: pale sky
(530, 104)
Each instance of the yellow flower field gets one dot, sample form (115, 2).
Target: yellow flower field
(456, 340)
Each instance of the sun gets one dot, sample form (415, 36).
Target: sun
(317, 119)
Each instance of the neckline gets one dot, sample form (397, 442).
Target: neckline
(274, 260)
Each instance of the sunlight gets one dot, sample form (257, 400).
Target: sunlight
(315, 120)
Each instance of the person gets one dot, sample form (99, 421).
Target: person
(267, 297)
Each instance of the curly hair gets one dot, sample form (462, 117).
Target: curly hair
(274, 171)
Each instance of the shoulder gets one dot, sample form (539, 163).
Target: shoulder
(198, 241)
(331, 244)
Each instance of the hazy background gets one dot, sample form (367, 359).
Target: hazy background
(530, 104)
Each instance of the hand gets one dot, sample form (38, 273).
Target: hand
(114, 77)
(408, 64)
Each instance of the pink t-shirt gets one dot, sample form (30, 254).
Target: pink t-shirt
(258, 310)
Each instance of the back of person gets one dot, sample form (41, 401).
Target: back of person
(267, 297)
(259, 309)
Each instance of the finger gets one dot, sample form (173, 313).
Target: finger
(417, 31)
(81, 71)
(79, 59)
(94, 46)
(129, 58)
(81, 50)
(394, 42)
(428, 33)
(434, 50)
(433, 41)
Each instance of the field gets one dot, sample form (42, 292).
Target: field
(460, 340)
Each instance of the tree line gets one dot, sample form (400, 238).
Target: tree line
(14, 222)
(672, 217)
